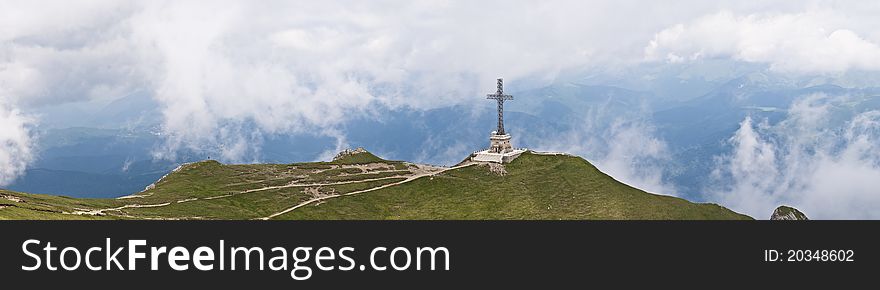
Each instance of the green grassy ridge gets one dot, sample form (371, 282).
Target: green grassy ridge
(246, 205)
(46, 205)
(209, 179)
(20, 213)
(535, 187)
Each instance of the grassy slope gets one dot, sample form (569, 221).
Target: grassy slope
(536, 187)
(42, 206)
(211, 179)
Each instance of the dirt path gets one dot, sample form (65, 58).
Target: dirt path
(320, 184)
(411, 178)
(420, 171)
(100, 211)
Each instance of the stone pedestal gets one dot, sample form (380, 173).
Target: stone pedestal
(500, 150)
(499, 143)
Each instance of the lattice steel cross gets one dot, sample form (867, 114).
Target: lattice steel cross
(500, 97)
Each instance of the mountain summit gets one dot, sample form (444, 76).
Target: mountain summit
(360, 185)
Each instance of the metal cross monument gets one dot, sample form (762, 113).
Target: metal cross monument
(500, 97)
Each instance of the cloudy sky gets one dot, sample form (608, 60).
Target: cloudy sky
(296, 66)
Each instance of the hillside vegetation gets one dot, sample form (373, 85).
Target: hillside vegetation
(360, 185)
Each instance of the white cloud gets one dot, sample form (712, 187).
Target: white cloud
(56, 52)
(284, 67)
(813, 41)
(752, 167)
(15, 144)
(626, 148)
(234, 67)
(635, 157)
(828, 170)
(227, 67)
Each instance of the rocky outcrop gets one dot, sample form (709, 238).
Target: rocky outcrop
(349, 152)
(787, 213)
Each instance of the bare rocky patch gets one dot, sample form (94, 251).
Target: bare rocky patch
(497, 169)
(11, 198)
(317, 192)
